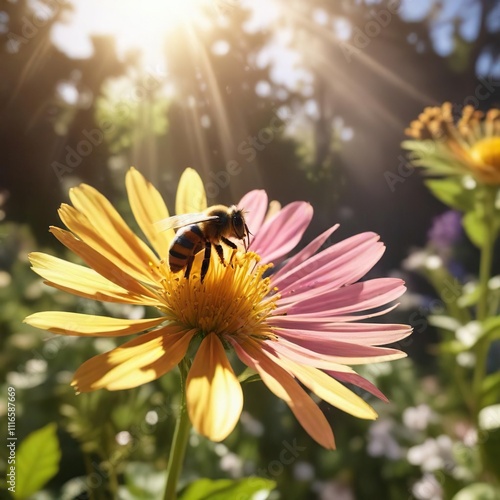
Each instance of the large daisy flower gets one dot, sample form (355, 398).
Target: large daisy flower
(449, 147)
(299, 328)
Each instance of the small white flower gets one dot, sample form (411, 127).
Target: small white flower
(432, 454)
(433, 262)
(489, 417)
(34, 366)
(427, 488)
(414, 261)
(151, 417)
(418, 417)
(123, 438)
(466, 359)
(380, 441)
(494, 283)
(469, 334)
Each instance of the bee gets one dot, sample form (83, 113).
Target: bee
(198, 231)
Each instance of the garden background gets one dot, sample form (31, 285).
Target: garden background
(308, 100)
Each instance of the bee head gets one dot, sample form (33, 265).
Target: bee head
(239, 226)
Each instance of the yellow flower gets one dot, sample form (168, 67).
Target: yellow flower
(470, 145)
(296, 327)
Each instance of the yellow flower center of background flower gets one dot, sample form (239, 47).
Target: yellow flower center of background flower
(233, 300)
(487, 151)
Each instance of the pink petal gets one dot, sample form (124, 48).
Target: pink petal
(353, 298)
(333, 275)
(325, 387)
(309, 250)
(299, 354)
(282, 232)
(341, 253)
(361, 333)
(305, 321)
(359, 381)
(285, 387)
(255, 205)
(338, 349)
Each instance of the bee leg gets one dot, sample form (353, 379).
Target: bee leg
(220, 253)
(206, 260)
(188, 267)
(229, 243)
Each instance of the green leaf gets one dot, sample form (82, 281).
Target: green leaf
(478, 491)
(247, 376)
(227, 489)
(37, 461)
(490, 388)
(470, 297)
(452, 347)
(452, 193)
(475, 227)
(491, 329)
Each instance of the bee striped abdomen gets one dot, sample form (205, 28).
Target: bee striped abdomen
(185, 245)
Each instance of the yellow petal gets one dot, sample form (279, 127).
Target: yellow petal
(82, 281)
(190, 193)
(286, 388)
(67, 323)
(79, 225)
(137, 362)
(148, 207)
(214, 395)
(327, 388)
(107, 221)
(97, 261)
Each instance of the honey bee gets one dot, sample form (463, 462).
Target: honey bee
(203, 230)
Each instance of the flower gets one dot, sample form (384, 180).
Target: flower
(418, 418)
(432, 454)
(297, 327)
(468, 146)
(381, 442)
(427, 488)
(446, 231)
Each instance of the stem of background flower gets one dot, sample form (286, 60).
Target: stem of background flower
(486, 253)
(482, 347)
(179, 442)
(484, 277)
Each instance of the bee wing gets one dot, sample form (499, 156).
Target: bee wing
(182, 220)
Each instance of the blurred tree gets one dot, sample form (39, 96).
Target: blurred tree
(45, 110)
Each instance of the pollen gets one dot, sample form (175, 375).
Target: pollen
(235, 298)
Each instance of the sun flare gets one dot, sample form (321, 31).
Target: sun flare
(136, 25)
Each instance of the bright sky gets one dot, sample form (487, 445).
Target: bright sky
(135, 23)
(143, 23)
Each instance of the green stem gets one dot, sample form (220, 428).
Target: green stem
(179, 442)
(482, 346)
(484, 277)
(486, 254)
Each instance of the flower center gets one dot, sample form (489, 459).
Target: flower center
(487, 151)
(233, 300)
